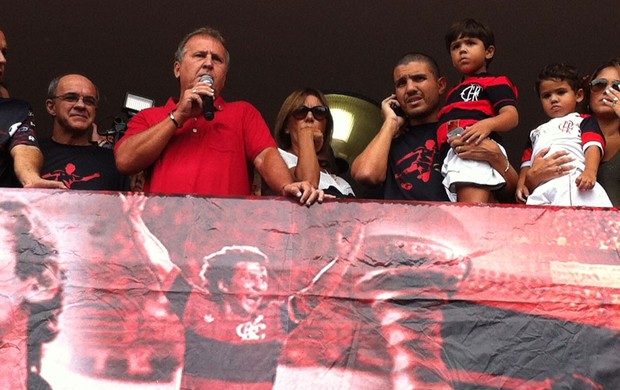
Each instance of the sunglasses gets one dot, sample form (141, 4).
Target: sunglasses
(318, 112)
(598, 85)
(73, 98)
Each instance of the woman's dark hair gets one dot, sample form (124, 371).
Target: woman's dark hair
(612, 63)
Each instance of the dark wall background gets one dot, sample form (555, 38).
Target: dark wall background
(277, 46)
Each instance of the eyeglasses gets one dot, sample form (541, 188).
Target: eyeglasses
(74, 98)
(599, 85)
(318, 112)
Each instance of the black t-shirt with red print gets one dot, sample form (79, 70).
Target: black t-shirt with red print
(414, 168)
(87, 167)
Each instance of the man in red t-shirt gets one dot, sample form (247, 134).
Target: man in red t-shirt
(186, 153)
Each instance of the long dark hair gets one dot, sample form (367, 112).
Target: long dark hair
(612, 63)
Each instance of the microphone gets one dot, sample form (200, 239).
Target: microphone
(207, 101)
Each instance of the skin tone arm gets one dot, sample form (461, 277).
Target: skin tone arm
(327, 280)
(522, 191)
(141, 150)
(370, 167)
(27, 162)
(506, 120)
(587, 179)
(307, 168)
(149, 246)
(543, 169)
(272, 168)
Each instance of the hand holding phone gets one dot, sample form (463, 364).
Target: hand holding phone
(398, 110)
(455, 132)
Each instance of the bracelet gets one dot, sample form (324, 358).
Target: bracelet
(507, 167)
(171, 115)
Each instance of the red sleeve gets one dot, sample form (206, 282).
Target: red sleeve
(591, 133)
(256, 134)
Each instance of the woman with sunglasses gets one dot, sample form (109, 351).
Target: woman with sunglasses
(603, 96)
(303, 131)
(604, 104)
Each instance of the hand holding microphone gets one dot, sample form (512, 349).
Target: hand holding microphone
(207, 101)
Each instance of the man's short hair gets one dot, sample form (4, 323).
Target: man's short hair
(420, 57)
(220, 265)
(203, 31)
(560, 72)
(52, 88)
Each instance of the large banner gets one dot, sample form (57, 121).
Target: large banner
(111, 291)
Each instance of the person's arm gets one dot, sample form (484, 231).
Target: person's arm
(273, 170)
(545, 168)
(330, 277)
(587, 179)
(370, 167)
(501, 164)
(27, 163)
(307, 168)
(149, 246)
(506, 120)
(137, 152)
(522, 191)
(489, 151)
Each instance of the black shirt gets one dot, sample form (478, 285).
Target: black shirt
(87, 167)
(414, 167)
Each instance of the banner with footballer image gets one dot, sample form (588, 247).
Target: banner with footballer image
(123, 291)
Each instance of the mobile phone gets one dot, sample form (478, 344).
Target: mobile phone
(397, 110)
(455, 132)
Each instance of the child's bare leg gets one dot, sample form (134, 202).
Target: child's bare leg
(471, 194)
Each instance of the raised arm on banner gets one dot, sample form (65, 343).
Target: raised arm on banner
(149, 245)
(330, 277)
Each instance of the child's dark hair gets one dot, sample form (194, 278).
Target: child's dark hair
(561, 72)
(470, 28)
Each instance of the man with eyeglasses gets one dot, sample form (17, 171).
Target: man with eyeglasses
(187, 152)
(70, 156)
(20, 157)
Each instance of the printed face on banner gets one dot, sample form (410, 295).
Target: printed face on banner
(249, 282)
(10, 295)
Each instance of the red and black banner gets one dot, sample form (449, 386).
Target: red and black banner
(109, 291)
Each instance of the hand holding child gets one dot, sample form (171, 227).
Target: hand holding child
(476, 132)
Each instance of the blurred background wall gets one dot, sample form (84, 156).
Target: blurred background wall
(277, 46)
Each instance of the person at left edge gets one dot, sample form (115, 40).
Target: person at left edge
(20, 157)
(69, 155)
(184, 153)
